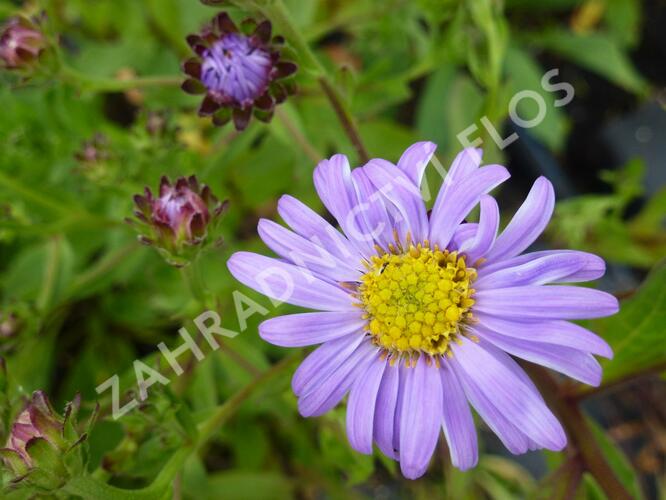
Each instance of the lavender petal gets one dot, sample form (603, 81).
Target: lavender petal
(546, 302)
(298, 330)
(501, 379)
(557, 332)
(415, 159)
(457, 421)
(527, 224)
(454, 203)
(321, 362)
(385, 410)
(287, 283)
(312, 226)
(486, 232)
(361, 406)
(306, 254)
(420, 419)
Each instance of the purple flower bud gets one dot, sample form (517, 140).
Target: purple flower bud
(93, 150)
(238, 71)
(178, 206)
(41, 449)
(21, 42)
(37, 421)
(178, 218)
(9, 325)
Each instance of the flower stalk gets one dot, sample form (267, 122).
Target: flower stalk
(89, 83)
(580, 434)
(279, 14)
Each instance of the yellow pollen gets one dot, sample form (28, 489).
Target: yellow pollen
(416, 300)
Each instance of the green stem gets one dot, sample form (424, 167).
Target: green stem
(91, 487)
(50, 273)
(277, 12)
(88, 487)
(208, 428)
(106, 264)
(71, 213)
(32, 195)
(194, 282)
(345, 117)
(298, 136)
(95, 84)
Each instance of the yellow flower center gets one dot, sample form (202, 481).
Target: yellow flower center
(415, 301)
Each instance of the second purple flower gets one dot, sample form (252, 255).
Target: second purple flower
(238, 71)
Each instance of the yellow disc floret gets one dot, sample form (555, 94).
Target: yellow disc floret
(416, 301)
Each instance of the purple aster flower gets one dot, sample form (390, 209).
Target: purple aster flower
(238, 71)
(21, 42)
(178, 219)
(418, 314)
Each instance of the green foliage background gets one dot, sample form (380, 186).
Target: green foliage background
(89, 299)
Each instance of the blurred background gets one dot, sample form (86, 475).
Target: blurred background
(81, 298)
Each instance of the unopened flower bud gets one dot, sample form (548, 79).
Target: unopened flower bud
(9, 325)
(38, 443)
(178, 219)
(93, 150)
(21, 43)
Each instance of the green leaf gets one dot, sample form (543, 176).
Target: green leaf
(240, 485)
(168, 18)
(388, 137)
(623, 18)
(524, 73)
(49, 469)
(637, 332)
(338, 455)
(597, 52)
(486, 42)
(450, 103)
(543, 5)
(596, 222)
(41, 273)
(30, 367)
(12, 459)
